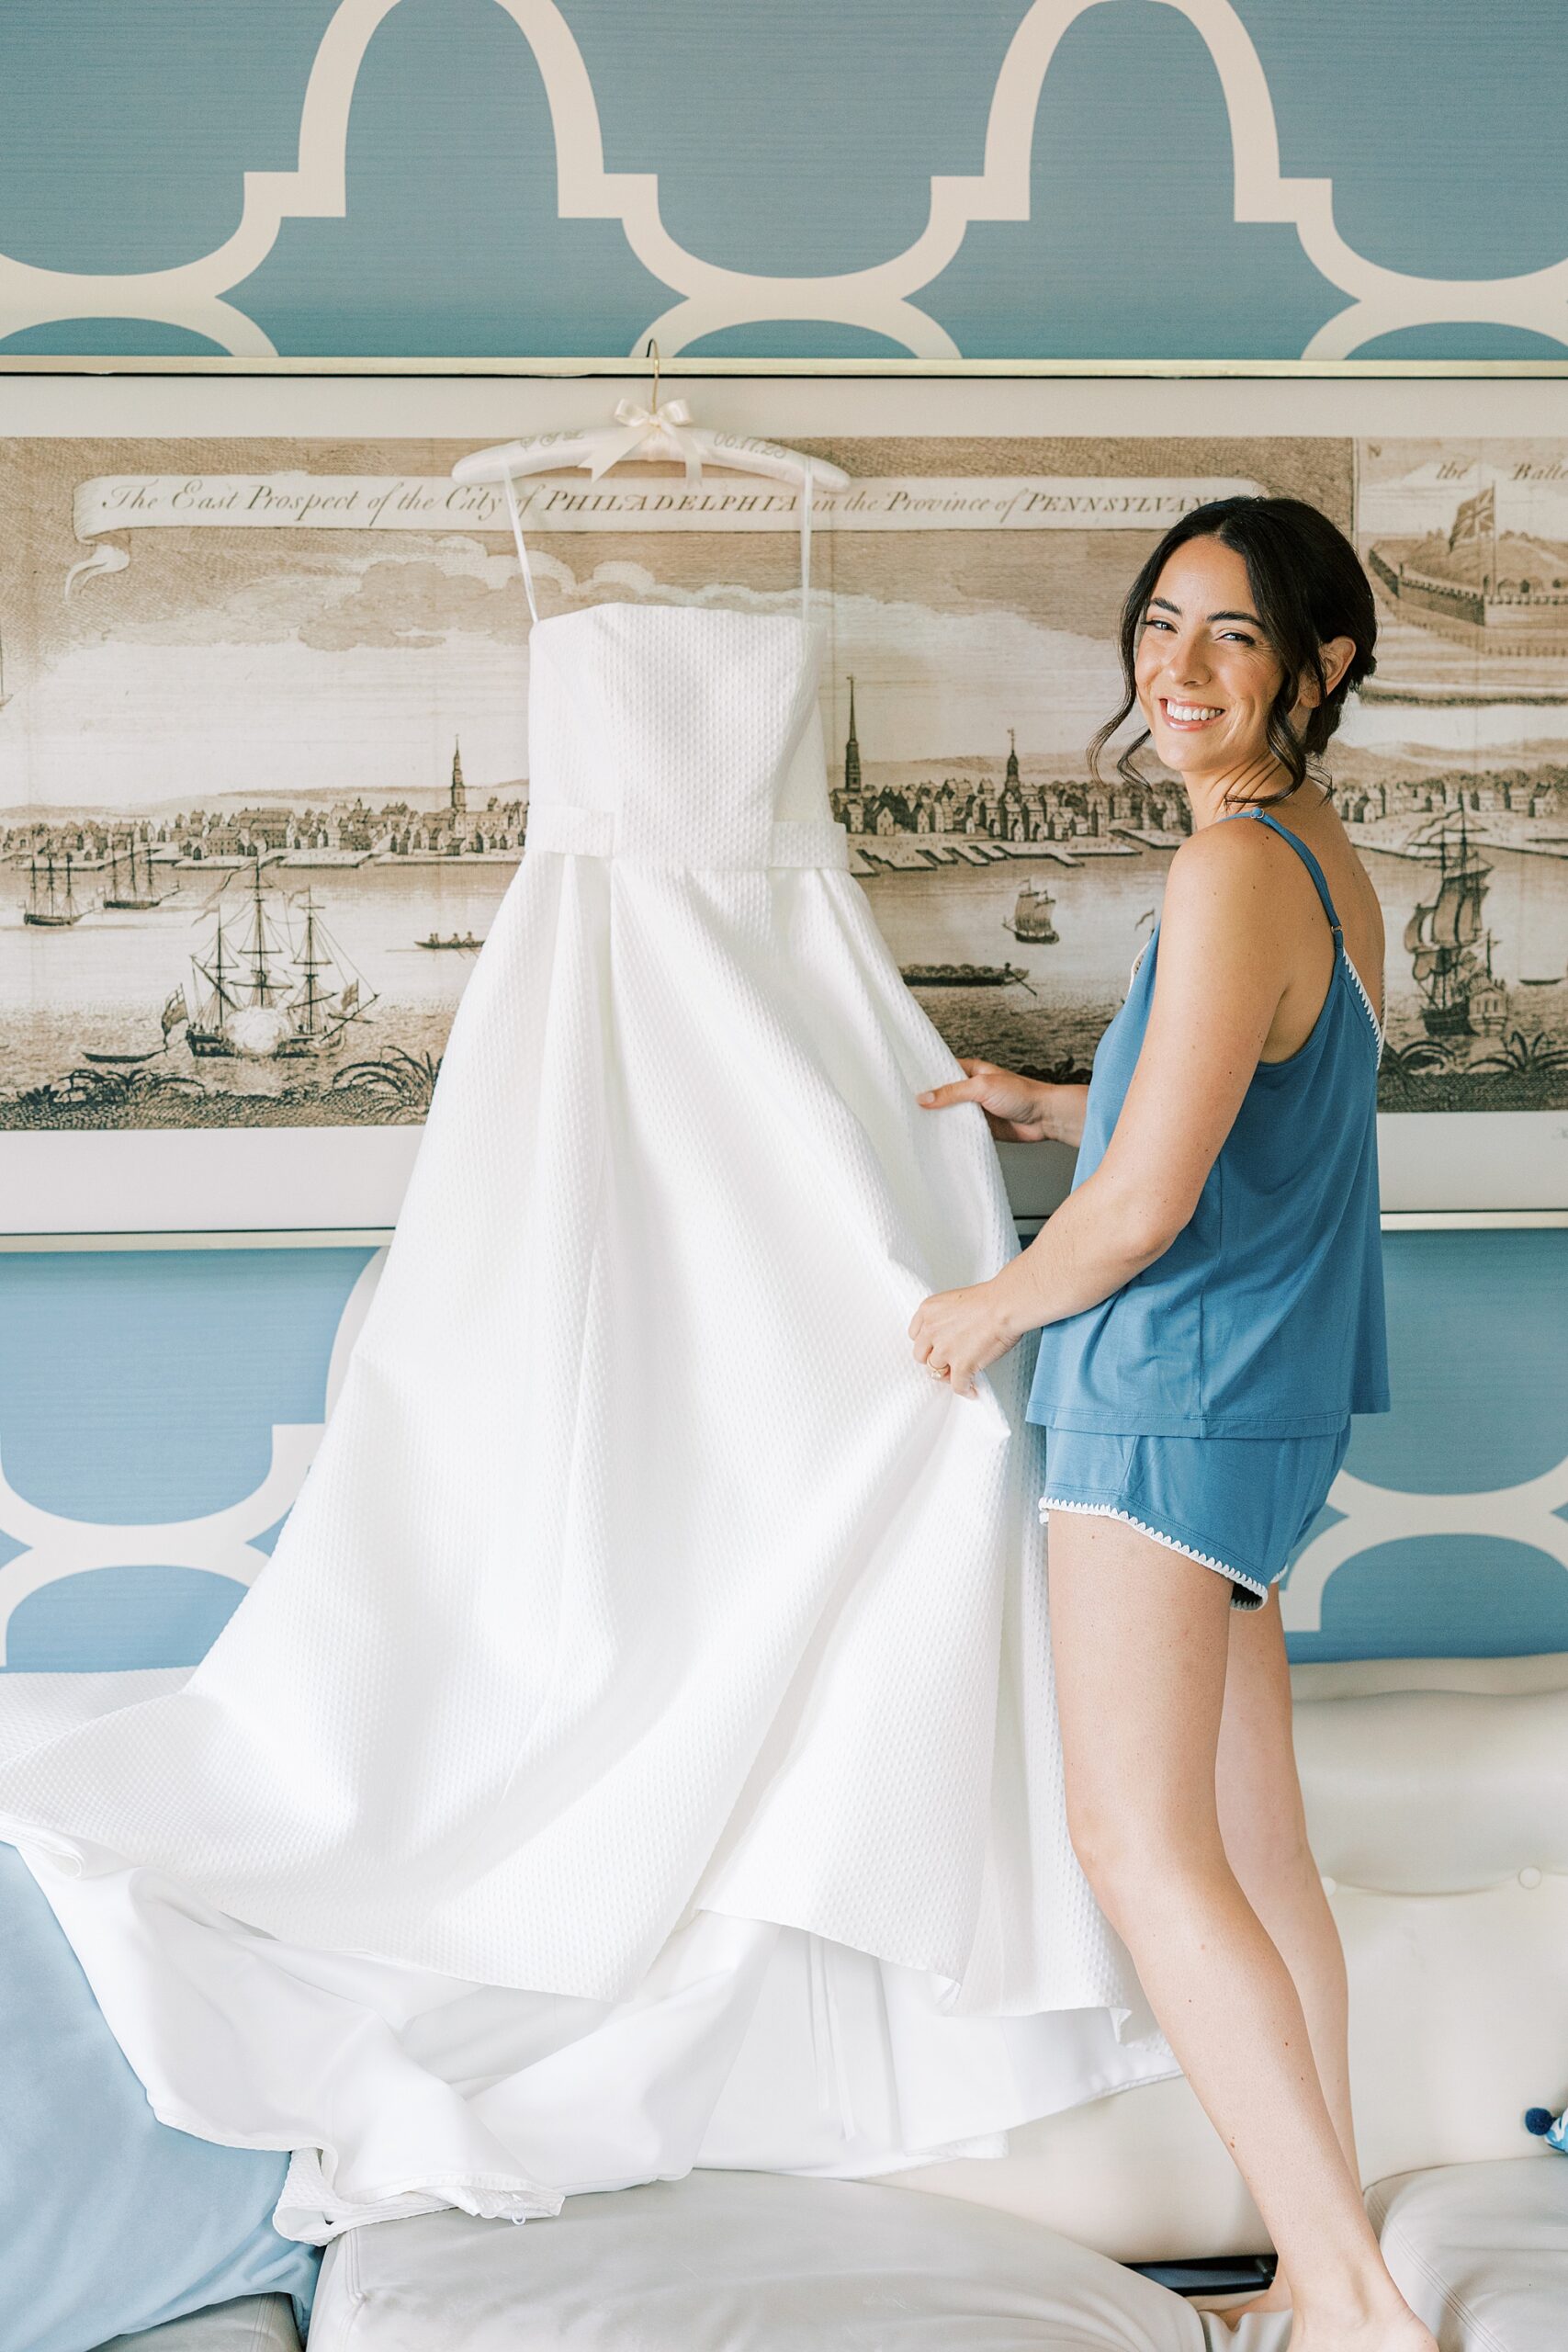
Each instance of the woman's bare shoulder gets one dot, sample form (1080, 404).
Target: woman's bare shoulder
(1221, 866)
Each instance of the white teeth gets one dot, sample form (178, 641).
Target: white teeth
(1188, 711)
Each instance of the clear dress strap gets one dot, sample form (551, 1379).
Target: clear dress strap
(806, 489)
(522, 549)
(807, 499)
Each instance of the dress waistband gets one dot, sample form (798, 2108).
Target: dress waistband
(592, 833)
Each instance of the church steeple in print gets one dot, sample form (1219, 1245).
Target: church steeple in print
(1012, 757)
(851, 747)
(459, 790)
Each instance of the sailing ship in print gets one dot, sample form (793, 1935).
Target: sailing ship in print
(132, 895)
(1032, 917)
(50, 901)
(1451, 947)
(248, 1004)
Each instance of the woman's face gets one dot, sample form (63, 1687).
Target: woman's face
(1206, 674)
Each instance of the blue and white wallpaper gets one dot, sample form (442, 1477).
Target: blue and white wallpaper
(1133, 178)
(819, 178)
(158, 1411)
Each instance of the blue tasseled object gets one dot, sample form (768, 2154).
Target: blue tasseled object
(1553, 2130)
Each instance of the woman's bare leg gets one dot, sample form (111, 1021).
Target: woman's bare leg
(1140, 1639)
(1263, 1827)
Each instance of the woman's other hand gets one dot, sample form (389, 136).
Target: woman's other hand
(956, 1333)
(1018, 1110)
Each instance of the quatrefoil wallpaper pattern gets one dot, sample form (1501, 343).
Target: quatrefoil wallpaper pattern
(1011, 178)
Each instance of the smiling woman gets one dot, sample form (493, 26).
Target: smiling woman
(1211, 1315)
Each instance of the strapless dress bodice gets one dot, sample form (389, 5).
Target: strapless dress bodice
(679, 735)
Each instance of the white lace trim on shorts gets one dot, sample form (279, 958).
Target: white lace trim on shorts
(1109, 1510)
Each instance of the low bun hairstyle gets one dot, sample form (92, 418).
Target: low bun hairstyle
(1307, 586)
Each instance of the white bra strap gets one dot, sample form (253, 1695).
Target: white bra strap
(806, 491)
(521, 550)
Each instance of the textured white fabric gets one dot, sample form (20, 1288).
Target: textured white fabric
(640, 1748)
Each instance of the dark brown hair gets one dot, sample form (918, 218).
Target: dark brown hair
(1307, 586)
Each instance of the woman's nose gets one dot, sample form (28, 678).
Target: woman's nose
(1186, 666)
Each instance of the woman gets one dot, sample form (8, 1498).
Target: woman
(1211, 1304)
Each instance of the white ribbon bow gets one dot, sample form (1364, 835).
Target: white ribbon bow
(659, 427)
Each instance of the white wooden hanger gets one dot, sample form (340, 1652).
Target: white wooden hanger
(648, 435)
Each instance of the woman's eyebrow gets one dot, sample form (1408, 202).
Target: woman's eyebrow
(1165, 604)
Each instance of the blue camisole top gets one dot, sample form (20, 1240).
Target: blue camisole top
(1264, 1317)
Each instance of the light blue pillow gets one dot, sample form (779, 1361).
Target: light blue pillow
(109, 2221)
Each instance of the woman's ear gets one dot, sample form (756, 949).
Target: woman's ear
(1336, 657)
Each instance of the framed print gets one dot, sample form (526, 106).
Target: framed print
(264, 768)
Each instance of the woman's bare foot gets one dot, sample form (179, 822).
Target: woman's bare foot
(1274, 2297)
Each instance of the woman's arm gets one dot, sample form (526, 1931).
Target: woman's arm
(1218, 982)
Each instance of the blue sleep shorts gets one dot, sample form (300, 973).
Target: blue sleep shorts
(1239, 1504)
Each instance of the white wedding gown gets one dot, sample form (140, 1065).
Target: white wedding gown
(640, 1750)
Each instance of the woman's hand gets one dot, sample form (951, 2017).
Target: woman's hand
(1018, 1110)
(956, 1333)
